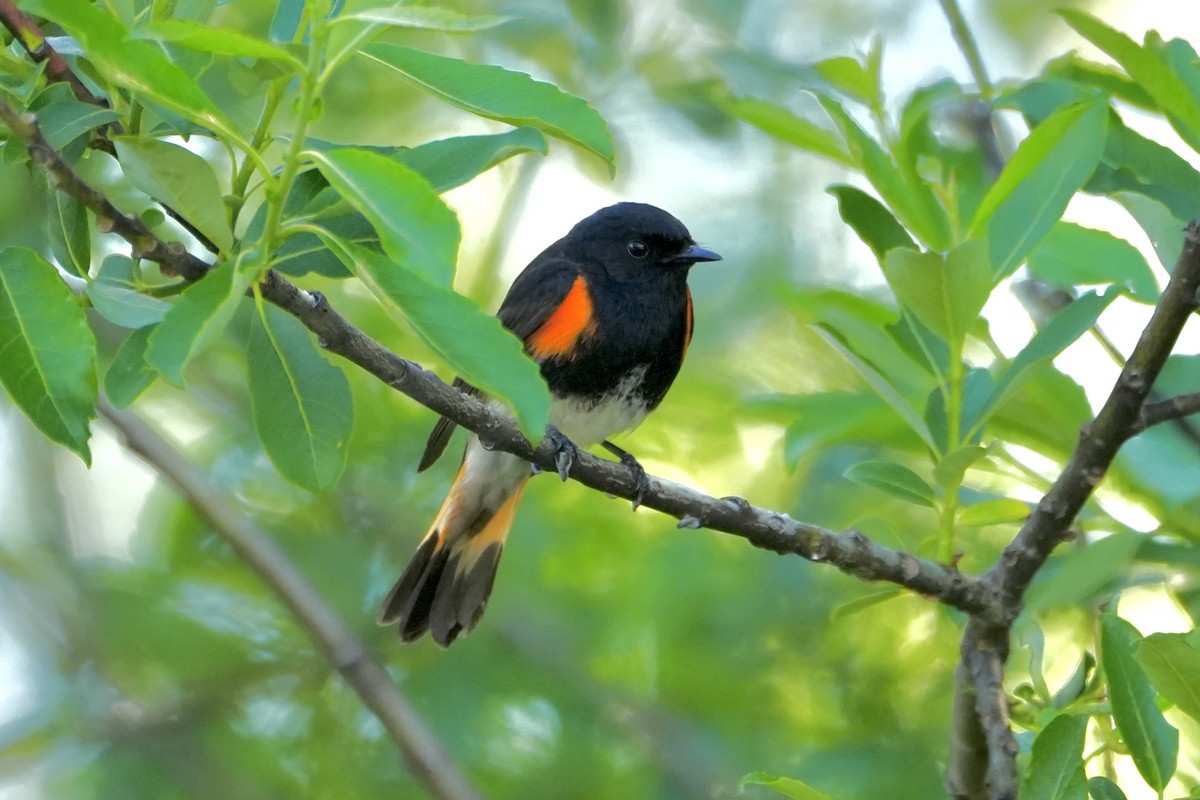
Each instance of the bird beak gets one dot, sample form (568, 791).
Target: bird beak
(696, 253)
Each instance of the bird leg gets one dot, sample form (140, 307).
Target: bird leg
(635, 471)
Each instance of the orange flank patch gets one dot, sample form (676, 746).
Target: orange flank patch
(449, 511)
(571, 322)
(687, 332)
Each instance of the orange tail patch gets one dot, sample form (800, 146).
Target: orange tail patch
(447, 583)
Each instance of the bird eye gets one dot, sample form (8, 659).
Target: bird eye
(637, 249)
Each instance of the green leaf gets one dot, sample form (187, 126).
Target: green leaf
(1066, 327)
(129, 375)
(1056, 763)
(448, 163)
(500, 94)
(871, 220)
(849, 77)
(302, 406)
(788, 787)
(950, 470)
(1032, 192)
(785, 126)
(993, 512)
(47, 350)
(909, 199)
(882, 386)
(64, 122)
(137, 66)
(124, 306)
(1152, 741)
(221, 41)
(895, 479)
(946, 293)
(1072, 255)
(180, 179)
(1101, 788)
(1147, 70)
(821, 419)
(417, 229)
(70, 234)
(430, 19)
(473, 343)
(1173, 666)
(1083, 572)
(200, 314)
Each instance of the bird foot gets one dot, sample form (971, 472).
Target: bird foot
(565, 450)
(636, 472)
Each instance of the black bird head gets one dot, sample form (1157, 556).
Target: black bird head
(637, 242)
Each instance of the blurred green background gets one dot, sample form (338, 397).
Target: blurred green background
(139, 658)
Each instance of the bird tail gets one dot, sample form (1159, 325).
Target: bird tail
(446, 585)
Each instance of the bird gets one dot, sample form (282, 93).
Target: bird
(606, 313)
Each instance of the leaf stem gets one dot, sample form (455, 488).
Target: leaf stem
(969, 47)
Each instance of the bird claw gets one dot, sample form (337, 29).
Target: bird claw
(640, 480)
(565, 450)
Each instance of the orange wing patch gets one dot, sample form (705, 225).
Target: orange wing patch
(571, 322)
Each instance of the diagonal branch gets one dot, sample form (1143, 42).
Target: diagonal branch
(986, 639)
(345, 651)
(851, 552)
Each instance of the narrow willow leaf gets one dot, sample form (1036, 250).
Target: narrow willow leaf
(993, 512)
(1147, 70)
(180, 179)
(199, 315)
(1056, 763)
(788, 787)
(124, 306)
(1173, 665)
(220, 41)
(64, 122)
(302, 406)
(1101, 788)
(1152, 741)
(47, 350)
(1066, 327)
(430, 19)
(946, 293)
(417, 229)
(448, 163)
(129, 375)
(787, 127)
(1071, 255)
(850, 78)
(1083, 573)
(498, 93)
(70, 234)
(895, 479)
(473, 343)
(871, 220)
(882, 386)
(1053, 163)
(911, 200)
(137, 66)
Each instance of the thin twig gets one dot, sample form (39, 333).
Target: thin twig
(969, 47)
(345, 651)
(1169, 410)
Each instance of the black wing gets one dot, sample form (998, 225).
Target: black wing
(533, 297)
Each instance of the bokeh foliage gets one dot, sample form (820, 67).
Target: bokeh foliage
(619, 658)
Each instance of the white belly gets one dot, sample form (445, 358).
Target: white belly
(586, 423)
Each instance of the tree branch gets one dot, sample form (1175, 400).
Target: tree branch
(851, 552)
(345, 651)
(986, 638)
(31, 37)
(1169, 410)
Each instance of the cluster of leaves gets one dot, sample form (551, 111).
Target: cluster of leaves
(335, 209)
(949, 221)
